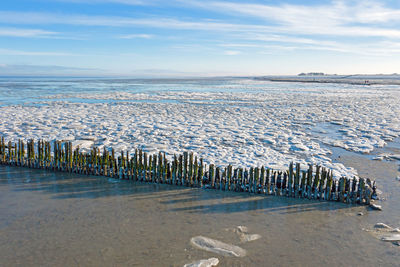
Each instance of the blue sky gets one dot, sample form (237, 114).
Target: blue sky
(194, 37)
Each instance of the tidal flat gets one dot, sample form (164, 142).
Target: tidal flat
(58, 219)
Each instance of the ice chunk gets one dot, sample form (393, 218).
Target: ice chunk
(203, 263)
(218, 247)
(391, 238)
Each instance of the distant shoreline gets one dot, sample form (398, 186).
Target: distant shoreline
(350, 80)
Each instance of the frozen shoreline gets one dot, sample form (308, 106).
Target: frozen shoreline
(261, 125)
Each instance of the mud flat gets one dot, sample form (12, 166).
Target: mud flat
(57, 219)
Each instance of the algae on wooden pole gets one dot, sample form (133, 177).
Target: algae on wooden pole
(347, 190)
(201, 171)
(164, 169)
(290, 180)
(145, 162)
(322, 183)
(211, 176)
(297, 183)
(188, 171)
(185, 167)
(268, 182)
(354, 190)
(278, 183)
(315, 185)
(180, 171)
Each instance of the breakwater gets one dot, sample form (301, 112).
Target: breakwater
(188, 170)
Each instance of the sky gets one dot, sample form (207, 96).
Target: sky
(198, 37)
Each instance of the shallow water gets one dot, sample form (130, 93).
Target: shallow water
(57, 219)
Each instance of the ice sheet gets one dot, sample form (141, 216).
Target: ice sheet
(240, 122)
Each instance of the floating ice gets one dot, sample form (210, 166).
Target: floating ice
(249, 237)
(203, 263)
(244, 236)
(391, 238)
(382, 226)
(375, 207)
(216, 246)
(252, 123)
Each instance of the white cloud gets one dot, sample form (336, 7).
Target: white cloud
(126, 2)
(12, 52)
(136, 36)
(338, 18)
(330, 27)
(17, 32)
(291, 19)
(231, 53)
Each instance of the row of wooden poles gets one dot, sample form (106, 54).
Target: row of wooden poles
(187, 170)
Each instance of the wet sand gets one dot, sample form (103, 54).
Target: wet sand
(57, 219)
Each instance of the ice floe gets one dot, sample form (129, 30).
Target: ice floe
(216, 246)
(240, 122)
(203, 263)
(244, 236)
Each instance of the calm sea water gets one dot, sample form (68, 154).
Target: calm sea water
(31, 90)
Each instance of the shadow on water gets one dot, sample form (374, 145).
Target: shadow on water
(175, 198)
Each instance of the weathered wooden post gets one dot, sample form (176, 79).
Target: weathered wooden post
(278, 183)
(145, 162)
(341, 189)
(174, 170)
(228, 185)
(165, 169)
(154, 178)
(290, 181)
(180, 171)
(315, 186)
(245, 180)
(298, 181)
(241, 185)
(333, 191)
(218, 178)
(190, 170)
(361, 187)
(303, 184)
(262, 180)
(212, 176)
(309, 180)
(195, 175)
(201, 173)
(322, 184)
(347, 190)
(185, 168)
(273, 182)
(354, 190)
(268, 181)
